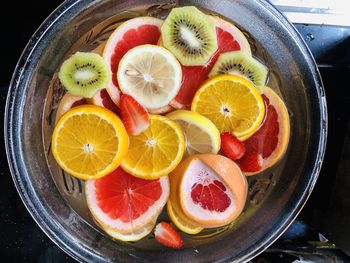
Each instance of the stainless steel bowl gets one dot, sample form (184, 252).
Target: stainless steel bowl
(276, 197)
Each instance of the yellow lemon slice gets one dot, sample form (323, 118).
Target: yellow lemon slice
(151, 74)
(232, 103)
(89, 142)
(201, 134)
(181, 223)
(156, 151)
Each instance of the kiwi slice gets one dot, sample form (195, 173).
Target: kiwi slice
(190, 35)
(241, 63)
(84, 73)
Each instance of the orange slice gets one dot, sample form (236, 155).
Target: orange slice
(89, 142)
(156, 151)
(232, 103)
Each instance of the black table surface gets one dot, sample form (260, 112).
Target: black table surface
(327, 211)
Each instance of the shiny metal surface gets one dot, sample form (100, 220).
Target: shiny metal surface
(293, 74)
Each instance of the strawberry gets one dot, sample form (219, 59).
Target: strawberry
(231, 146)
(167, 235)
(135, 118)
(250, 162)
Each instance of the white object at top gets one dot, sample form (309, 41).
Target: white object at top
(327, 12)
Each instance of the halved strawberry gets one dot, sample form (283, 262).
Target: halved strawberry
(167, 235)
(250, 162)
(135, 118)
(231, 146)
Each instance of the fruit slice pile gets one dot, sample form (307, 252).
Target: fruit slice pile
(134, 158)
(229, 38)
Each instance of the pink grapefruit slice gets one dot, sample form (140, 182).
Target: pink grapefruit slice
(134, 235)
(271, 140)
(230, 38)
(103, 99)
(212, 189)
(134, 32)
(124, 203)
(67, 102)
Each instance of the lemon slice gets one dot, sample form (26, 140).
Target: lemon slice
(156, 151)
(180, 223)
(232, 103)
(151, 74)
(201, 134)
(89, 142)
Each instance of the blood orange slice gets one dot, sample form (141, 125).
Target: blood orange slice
(230, 38)
(125, 203)
(212, 189)
(270, 141)
(103, 99)
(132, 33)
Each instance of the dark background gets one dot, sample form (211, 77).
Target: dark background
(327, 211)
(21, 238)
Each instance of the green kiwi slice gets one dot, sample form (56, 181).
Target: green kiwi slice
(190, 35)
(241, 63)
(84, 73)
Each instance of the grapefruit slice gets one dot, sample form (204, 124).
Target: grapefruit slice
(103, 99)
(230, 38)
(212, 189)
(67, 102)
(125, 203)
(271, 140)
(134, 235)
(132, 33)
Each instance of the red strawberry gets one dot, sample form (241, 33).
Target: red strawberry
(231, 146)
(134, 116)
(250, 162)
(167, 235)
